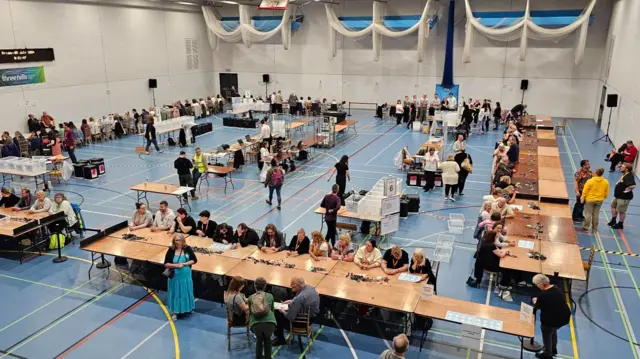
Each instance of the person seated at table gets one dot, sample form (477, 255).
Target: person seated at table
(368, 256)
(306, 299)
(61, 204)
(486, 225)
(509, 193)
(205, 226)
(501, 239)
(141, 218)
(236, 303)
(164, 218)
(488, 259)
(318, 247)
(493, 197)
(503, 208)
(395, 260)
(502, 169)
(245, 236)
(407, 160)
(343, 250)
(183, 223)
(299, 244)
(26, 199)
(485, 214)
(303, 154)
(42, 203)
(272, 240)
(502, 183)
(8, 199)
(513, 153)
(628, 155)
(224, 234)
(420, 265)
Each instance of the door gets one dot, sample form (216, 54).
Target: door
(603, 96)
(227, 82)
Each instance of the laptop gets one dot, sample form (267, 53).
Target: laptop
(240, 142)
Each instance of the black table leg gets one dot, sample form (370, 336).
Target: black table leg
(103, 263)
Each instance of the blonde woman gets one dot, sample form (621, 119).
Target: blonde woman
(178, 261)
(450, 171)
(421, 265)
(319, 247)
(344, 249)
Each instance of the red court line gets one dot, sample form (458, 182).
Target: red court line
(624, 239)
(322, 175)
(104, 326)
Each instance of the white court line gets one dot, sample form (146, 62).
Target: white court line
(346, 339)
(486, 302)
(104, 214)
(392, 142)
(300, 216)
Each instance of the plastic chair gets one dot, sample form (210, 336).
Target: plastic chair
(560, 126)
(587, 265)
(231, 326)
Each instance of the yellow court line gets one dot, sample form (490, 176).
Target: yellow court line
(45, 305)
(176, 342)
(49, 285)
(572, 329)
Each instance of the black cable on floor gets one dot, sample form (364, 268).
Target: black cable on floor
(596, 324)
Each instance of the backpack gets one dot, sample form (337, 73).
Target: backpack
(277, 178)
(171, 141)
(259, 307)
(182, 138)
(466, 165)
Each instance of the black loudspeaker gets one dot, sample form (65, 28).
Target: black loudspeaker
(612, 100)
(524, 84)
(153, 83)
(265, 78)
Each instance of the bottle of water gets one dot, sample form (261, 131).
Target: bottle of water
(145, 181)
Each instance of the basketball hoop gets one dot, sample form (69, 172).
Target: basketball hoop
(273, 5)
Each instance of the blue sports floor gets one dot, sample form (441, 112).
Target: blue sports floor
(53, 310)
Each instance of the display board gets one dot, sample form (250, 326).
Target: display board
(390, 224)
(390, 205)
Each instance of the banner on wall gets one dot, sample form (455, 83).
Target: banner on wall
(21, 76)
(443, 92)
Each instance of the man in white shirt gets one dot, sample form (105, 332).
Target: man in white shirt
(164, 218)
(452, 103)
(265, 132)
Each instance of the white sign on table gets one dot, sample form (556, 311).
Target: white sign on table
(526, 244)
(526, 312)
(516, 207)
(390, 224)
(470, 336)
(182, 190)
(390, 205)
(390, 188)
(220, 247)
(427, 292)
(409, 277)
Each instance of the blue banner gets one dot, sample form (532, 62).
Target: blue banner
(21, 76)
(443, 92)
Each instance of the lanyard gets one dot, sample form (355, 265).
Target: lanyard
(395, 262)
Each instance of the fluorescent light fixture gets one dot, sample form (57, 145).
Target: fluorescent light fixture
(186, 3)
(229, 2)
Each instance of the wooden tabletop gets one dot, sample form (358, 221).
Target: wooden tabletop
(239, 253)
(546, 134)
(343, 213)
(160, 238)
(219, 170)
(564, 259)
(550, 161)
(128, 249)
(528, 159)
(7, 228)
(24, 214)
(550, 173)
(153, 187)
(303, 262)
(522, 262)
(553, 189)
(206, 263)
(344, 124)
(341, 270)
(548, 151)
(548, 142)
(438, 306)
(555, 210)
(313, 140)
(274, 275)
(384, 295)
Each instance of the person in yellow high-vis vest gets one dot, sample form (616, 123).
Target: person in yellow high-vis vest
(199, 167)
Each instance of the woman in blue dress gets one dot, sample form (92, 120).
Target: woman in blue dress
(179, 259)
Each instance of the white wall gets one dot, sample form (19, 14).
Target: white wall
(624, 76)
(556, 86)
(104, 58)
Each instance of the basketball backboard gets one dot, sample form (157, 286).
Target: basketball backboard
(273, 5)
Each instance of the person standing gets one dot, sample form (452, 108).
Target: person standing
(595, 191)
(399, 348)
(178, 261)
(274, 180)
(406, 108)
(554, 314)
(497, 115)
(293, 103)
(70, 142)
(622, 195)
(342, 170)
(150, 135)
(579, 179)
(199, 167)
(262, 319)
(450, 171)
(399, 112)
(331, 203)
(184, 166)
(430, 164)
(464, 161)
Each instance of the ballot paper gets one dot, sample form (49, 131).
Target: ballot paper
(409, 277)
(516, 207)
(182, 190)
(278, 305)
(525, 244)
(473, 320)
(220, 247)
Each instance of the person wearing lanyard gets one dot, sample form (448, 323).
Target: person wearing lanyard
(430, 165)
(299, 245)
(395, 261)
(205, 226)
(141, 218)
(331, 203)
(199, 166)
(272, 240)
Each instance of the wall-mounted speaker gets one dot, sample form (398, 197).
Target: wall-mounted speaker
(265, 78)
(524, 84)
(153, 83)
(612, 100)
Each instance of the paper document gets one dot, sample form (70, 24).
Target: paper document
(473, 320)
(525, 244)
(278, 305)
(516, 207)
(409, 277)
(220, 247)
(181, 190)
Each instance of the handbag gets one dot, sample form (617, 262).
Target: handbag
(171, 272)
(466, 165)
